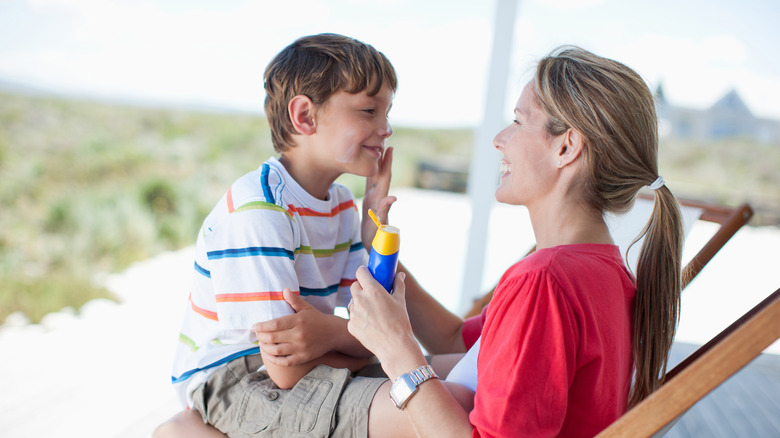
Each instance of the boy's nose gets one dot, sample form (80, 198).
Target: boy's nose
(386, 130)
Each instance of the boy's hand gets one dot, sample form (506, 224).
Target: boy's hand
(295, 339)
(376, 198)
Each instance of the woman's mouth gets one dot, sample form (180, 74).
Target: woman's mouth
(505, 168)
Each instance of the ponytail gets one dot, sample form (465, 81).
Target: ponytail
(657, 299)
(614, 110)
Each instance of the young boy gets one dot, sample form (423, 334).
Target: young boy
(284, 230)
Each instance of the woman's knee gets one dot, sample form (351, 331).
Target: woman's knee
(185, 424)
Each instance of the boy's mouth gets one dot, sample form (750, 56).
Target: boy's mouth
(377, 149)
(505, 168)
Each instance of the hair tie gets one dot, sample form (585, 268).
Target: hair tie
(657, 184)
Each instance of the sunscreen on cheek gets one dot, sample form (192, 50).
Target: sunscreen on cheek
(383, 259)
(348, 153)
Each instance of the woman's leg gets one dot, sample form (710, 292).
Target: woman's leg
(186, 424)
(387, 421)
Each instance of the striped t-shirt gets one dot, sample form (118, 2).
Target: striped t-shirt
(265, 234)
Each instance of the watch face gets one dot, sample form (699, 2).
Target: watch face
(401, 390)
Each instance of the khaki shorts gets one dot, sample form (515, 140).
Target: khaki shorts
(241, 402)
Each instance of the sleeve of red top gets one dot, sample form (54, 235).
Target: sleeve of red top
(472, 328)
(528, 354)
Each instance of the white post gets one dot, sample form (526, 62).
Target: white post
(483, 170)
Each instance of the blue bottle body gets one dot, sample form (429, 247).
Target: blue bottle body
(382, 267)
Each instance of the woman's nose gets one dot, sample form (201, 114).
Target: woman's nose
(499, 141)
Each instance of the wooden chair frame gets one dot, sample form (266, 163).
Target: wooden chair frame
(701, 372)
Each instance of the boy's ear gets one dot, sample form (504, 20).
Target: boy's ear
(571, 147)
(301, 110)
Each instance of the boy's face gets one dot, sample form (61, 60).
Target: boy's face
(353, 129)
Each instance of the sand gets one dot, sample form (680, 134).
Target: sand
(104, 371)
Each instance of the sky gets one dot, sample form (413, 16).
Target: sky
(214, 52)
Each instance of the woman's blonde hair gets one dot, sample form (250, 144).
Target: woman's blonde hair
(613, 109)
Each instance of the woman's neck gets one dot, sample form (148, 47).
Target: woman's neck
(567, 223)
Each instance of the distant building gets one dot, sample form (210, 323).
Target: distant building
(729, 117)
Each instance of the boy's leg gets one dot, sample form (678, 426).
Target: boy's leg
(240, 401)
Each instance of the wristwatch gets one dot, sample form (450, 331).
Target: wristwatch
(405, 387)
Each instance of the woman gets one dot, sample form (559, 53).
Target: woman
(570, 339)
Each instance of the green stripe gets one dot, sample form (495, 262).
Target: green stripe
(262, 205)
(188, 342)
(341, 247)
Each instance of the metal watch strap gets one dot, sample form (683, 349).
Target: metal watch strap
(406, 385)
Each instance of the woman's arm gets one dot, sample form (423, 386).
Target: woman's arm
(438, 330)
(381, 323)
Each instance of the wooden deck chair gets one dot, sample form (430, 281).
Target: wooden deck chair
(626, 227)
(701, 372)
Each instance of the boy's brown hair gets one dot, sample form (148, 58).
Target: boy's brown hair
(318, 66)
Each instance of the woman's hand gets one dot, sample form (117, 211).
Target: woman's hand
(380, 322)
(376, 198)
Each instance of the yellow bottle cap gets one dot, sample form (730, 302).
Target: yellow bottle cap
(387, 239)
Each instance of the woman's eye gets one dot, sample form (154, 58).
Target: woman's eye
(515, 122)
(369, 110)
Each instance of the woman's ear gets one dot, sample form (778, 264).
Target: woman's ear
(571, 147)
(301, 110)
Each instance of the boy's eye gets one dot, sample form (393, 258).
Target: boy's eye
(369, 110)
(515, 122)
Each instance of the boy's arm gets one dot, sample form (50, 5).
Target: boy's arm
(306, 335)
(285, 377)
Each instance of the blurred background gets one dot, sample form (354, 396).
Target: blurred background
(123, 122)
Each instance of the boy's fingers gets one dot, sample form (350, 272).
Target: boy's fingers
(294, 300)
(387, 161)
(383, 210)
(275, 325)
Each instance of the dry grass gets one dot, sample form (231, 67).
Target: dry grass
(91, 187)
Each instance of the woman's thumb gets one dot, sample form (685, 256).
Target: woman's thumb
(399, 287)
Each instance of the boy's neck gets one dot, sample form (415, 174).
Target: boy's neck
(309, 175)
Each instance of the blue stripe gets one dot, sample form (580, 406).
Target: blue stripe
(264, 183)
(322, 292)
(202, 271)
(279, 187)
(356, 247)
(224, 360)
(251, 251)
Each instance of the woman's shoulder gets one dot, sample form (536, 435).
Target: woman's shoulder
(565, 267)
(566, 255)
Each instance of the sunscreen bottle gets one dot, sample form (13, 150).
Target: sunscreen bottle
(384, 253)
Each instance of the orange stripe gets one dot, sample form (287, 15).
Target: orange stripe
(231, 209)
(346, 282)
(206, 313)
(336, 210)
(254, 296)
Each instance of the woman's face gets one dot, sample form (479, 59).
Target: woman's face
(528, 160)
